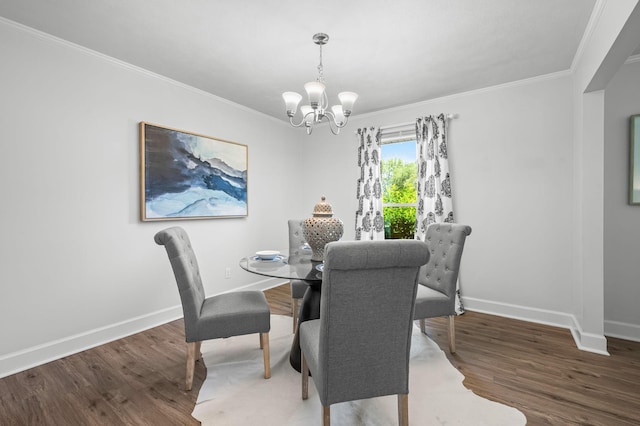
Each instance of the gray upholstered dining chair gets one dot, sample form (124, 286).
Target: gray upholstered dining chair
(437, 290)
(372, 283)
(223, 315)
(297, 287)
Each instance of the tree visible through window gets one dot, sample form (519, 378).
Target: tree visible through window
(398, 170)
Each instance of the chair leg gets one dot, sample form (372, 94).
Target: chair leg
(452, 334)
(193, 348)
(326, 415)
(198, 351)
(294, 311)
(423, 326)
(264, 344)
(304, 370)
(403, 409)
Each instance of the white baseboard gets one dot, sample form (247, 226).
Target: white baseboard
(16, 362)
(590, 342)
(622, 330)
(584, 341)
(37, 355)
(262, 285)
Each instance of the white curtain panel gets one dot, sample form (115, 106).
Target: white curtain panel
(369, 219)
(434, 179)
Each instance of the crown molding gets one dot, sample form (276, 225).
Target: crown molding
(588, 32)
(632, 60)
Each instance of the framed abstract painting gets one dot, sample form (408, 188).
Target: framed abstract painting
(186, 175)
(634, 160)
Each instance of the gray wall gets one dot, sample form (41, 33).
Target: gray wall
(621, 220)
(78, 267)
(510, 155)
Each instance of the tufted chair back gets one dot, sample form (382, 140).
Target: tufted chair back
(437, 290)
(296, 237)
(185, 268)
(446, 242)
(372, 283)
(297, 287)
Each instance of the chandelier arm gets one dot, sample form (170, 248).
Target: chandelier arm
(337, 129)
(331, 118)
(302, 121)
(325, 101)
(294, 124)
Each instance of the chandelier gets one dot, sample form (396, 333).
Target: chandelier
(318, 108)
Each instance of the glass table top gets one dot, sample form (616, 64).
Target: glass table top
(295, 266)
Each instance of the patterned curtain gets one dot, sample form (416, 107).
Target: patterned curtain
(434, 180)
(369, 219)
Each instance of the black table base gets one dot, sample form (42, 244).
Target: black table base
(309, 310)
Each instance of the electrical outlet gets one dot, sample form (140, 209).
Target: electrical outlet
(227, 273)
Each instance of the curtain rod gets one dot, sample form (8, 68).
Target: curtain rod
(410, 123)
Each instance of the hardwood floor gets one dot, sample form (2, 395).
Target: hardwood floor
(539, 370)
(139, 380)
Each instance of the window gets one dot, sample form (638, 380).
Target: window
(399, 172)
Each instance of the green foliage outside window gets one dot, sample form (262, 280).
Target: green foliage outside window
(399, 222)
(399, 187)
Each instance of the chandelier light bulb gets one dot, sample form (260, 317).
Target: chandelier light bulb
(307, 114)
(339, 115)
(315, 92)
(347, 99)
(291, 101)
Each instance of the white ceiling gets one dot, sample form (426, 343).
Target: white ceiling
(390, 52)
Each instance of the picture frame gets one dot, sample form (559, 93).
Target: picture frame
(186, 175)
(634, 160)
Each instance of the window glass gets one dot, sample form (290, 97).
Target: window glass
(398, 174)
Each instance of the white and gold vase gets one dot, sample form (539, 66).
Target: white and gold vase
(321, 229)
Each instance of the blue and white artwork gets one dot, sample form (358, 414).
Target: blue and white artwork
(190, 176)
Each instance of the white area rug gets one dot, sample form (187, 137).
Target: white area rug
(235, 392)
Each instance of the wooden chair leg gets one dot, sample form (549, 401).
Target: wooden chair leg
(264, 344)
(403, 409)
(304, 370)
(198, 350)
(326, 415)
(294, 311)
(193, 348)
(423, 326)
(452, 334)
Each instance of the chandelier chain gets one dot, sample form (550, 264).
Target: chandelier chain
(320, 68)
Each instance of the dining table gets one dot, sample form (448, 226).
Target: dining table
(294, 265)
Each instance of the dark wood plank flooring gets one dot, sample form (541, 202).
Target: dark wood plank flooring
(139, 380)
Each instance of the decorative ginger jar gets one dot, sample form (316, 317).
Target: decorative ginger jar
(321, 229)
